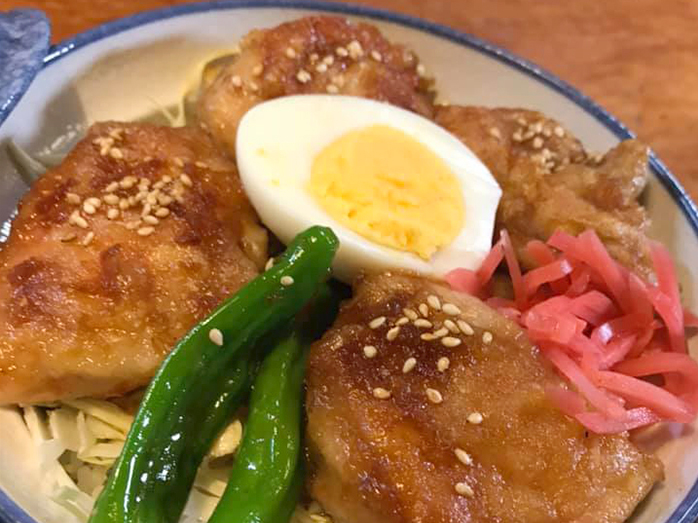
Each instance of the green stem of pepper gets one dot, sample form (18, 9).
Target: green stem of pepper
(200, 385)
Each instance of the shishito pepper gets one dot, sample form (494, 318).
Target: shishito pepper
(201, 384)
(265, 480)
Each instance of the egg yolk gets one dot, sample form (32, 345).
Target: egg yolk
(389, 188)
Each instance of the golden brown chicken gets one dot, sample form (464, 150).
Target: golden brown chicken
(425, 405)
(316, 54)
(115, 255)
(550, 182)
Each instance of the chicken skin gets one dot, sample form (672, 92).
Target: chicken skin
(316, 54)
(116, 254)
(425, 405)
(550, 182)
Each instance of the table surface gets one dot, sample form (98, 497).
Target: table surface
(637, 58)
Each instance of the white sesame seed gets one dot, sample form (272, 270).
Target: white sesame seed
(150, 219)
(111, 199)
(463, 457)
(441, 332)
(113, 186)
(376, 322)
(321, 67)
(517, 136)
(475, 418)
(145, 231)
(116, 153)
(303, 76)
(252, 85)
(463, 489)
(486, 337)
(547, 132)
(451, 309)
(216, 336)
(451, 326)
(162, 212)
(421, 323)
(341, 51)
(113, 214)
(269, 264)
(428, 336)
(370, 351)
(424, 309)
(355, 49)
(146, 209)
(392, 333)
(332, 89)
(72, 198)
(465, 327)
(123, 204)
(329, 59)
(236, 81)
(376, 56)
(381, 393)
(133, 225)
(434, 302)
(521, 121)
(199, 164)
(450, 341)
(88, 208)
(290, 52)
(495, 133)
(411, 314)
(184, 178)
(537, 142)
(286, 280)
(158, 185)
(88, 238)
(443, 364)
(434, 396)
(559, 131)
(69, 237)
(402, 321)
(257, 69)
(410, 363)
(421, 70)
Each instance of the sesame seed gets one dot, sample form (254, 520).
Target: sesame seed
(257, 69)
(451, 309)
(290, 52)
(411, 314)
(521, 121)
(463, 457)
(146, 209)
(329, 59)
(89, 208)
(559, 131)
(303, 76)
(113, 214)
(150, 219)
(252, 85)
(341, 51)
(537, 127)
(321, 67)
(286, 280)
(123, 204)
(517, 136)
(116, 153)
(76, 219)
(72, 198)
(381, 393)
(88, 238)
(537, 142)
(144, 181)
(421, 323)
(165, 200)
(158, 185)
(376, 322)
(443, 364)
(486, 337)
(69, 237)
(450, 341)
(376, 56)
(402, 321)
(370, 351)
(236, 81)
(410, 363)
(465, 327)
(434, 396)
(547, 132)
(269, 264)
(146, 231)
(338, 80)
(434, 302)
(152, 198)
(199, 164)
(495, 133)
(314, 57)
(451, 326)
(463, 489)
(216, 336)
(475, 418)
(428, 336)
(113, 186)
(133, 225)
(392, 333)
(184, 178)
(424, 309)
(111, 199)
(441, 332)
(126, 183)
(421, 70)
(355, 50)
(332, 89)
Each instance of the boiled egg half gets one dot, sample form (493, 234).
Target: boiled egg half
(399, 191)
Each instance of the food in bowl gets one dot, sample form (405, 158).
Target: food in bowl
(464, 380)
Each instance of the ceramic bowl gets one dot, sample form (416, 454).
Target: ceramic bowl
(125, 69)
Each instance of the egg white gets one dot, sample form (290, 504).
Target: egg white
(277, 142)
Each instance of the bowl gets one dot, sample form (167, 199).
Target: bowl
(130, 67)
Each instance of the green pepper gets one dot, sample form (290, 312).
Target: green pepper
(201, 384)
(262, 486)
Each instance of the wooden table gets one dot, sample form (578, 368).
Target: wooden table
(637, 58)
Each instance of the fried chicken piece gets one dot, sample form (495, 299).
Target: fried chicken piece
(116, 254)
(549, 181)
(417, 450)
(316, 54)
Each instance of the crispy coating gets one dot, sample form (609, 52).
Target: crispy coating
(549, 181)
(394, 460)
(316, 54)
(96, 320)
